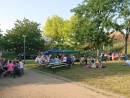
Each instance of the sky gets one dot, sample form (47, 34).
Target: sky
(34, 10)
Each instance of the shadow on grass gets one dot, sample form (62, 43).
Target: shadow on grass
(78, 73)
(99, 77)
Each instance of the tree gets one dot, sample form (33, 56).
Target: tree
(55, 29)
(1, 42)
(75, 39)
(96, 19)
(124, 25)
(14, 39)
(127, 28)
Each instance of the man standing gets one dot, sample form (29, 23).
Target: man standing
(69, 61)
(21, 66)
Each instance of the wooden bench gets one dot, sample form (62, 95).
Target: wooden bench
(44, 64)
(55, 65)
(121, 58)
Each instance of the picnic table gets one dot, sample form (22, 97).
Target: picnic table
(57, 65)
(121, 58)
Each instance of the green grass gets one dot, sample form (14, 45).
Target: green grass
(114, 78)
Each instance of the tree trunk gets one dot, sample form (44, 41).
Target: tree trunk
(126, 42)
(97, 53)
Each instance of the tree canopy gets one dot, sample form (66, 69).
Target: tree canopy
(96, 19)
(59, 30)
(122, 21)
(14, 38)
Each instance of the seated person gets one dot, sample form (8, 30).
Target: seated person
(82, 60)
(2, 71)
(57, 60)
(93, 64)
(100, 66)
(51, 61)
(104, 58)
(47, 58)
(69, 61)
(64, 59)
(10, 69)
(36, 59)
(39, 61)
(87, 66)
(100, 63)
(72, 58)
(85, 60)
(127, 62)
(126, 56)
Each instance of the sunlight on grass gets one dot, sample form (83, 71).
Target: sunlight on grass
(114, 78)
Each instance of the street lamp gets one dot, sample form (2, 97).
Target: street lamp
(24, 36)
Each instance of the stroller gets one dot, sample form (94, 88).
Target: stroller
(16, 72)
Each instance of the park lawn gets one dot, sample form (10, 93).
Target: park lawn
(128, 49)
(114, 78)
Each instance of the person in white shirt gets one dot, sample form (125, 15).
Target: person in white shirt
(21, 67)
(127, 62)
(64, 59)
(39, 61)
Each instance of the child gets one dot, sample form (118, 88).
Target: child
(100, 63)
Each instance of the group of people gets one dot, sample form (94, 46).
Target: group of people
(14, 68)
(114, 56)
(49, 59)
(91, 63)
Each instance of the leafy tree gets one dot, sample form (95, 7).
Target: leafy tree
(124, 25)
(57, 29)
(53, 28)
(74, 39)
(14, 38)
(95, 19)
(1, 42)
(127, 28)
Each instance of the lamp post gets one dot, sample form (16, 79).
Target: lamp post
(24, 36)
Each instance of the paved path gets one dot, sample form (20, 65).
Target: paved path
(37, 85)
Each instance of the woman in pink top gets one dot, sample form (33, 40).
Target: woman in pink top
(10, 66)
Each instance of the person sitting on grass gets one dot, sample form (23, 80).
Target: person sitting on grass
(90, 65)
(126, 56)
(100, 64)
(82, 60)
(93, 64)
(127, 62)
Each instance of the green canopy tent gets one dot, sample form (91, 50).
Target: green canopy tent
(69, 51)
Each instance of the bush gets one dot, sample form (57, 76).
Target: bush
(9, 55)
